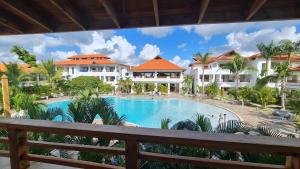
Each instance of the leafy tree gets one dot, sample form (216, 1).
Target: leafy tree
(84, 83)
(24, 55)
(138, 88)
(237, 66)
(245, 94)
(212, 89)
(105, 88)
(281, 73)
(162, 88)
(187, 84)
(267, 52)
(288, 47)
(203, 59)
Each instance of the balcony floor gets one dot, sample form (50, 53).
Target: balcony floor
(5, 164)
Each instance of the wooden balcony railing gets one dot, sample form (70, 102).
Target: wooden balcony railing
(19, 145)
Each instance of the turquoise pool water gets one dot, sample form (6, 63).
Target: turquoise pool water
(149, 112)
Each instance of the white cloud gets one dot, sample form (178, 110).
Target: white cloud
(157, 32)
(209, 30)
(61, 55)
(181, 62)
(148, 52)
(245, 43)
(182, 45)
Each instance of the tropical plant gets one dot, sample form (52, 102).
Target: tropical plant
(14, 74)
(150, 87)
(204, 123)
(237, 66)
(266, 96)
(24, 55)
(187, 84)
(125, 84)
(212, 89)
(281, 73)
(203, 59)
(165, 123)
(294, 101)
(138, 88)
(162, 88)
(49, 71)
(106, 88)
(245, 94)
(267, 52)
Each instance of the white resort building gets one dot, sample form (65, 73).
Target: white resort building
(214, 73)
(159, 71)
(97, 65)
(156, 71)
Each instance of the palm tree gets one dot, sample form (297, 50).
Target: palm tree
(187, 83)
(203, 59)
(126, 84)
(281, 73)
(237, 66)
(48, 70)
(267, 52)
(288, 47)
(14, 74)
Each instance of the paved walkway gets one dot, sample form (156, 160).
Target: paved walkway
(5, 164)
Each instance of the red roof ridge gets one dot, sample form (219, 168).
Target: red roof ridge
(157, 63)
(89, 56)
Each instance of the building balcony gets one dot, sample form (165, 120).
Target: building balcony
(132, 153)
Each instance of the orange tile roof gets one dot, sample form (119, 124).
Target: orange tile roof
(226, 56)
(296, 68)
(85, 62)
(157, 63)
(209, 60)
(24, 67)
(294, 57)
(89, 56)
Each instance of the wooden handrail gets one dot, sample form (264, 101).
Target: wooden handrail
(133, 136)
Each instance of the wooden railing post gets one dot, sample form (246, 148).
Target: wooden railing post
(132, 152)
(18, 149)
(292, 162)
(5, 93)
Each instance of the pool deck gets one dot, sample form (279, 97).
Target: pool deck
(5, 164)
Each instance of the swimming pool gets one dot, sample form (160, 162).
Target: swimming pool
(147, 112)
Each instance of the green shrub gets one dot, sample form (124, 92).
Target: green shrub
(266, 96)
(84, 83)
(138, 88)
(162, 88)
(105, 88)
(294, 101)
(150, 87)
(212, 89)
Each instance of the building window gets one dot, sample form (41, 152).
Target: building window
(94, 69)
(110, 78)
(84, 69)
(126, 74)
(206, 78)
(72, 70)
(227, 78)
(245, 78)
(273, 64)
(110, 69)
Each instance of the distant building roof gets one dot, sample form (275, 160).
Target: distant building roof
(294, 57)
(24, 67)
(295, 68)
(157, 63)
(86, 59)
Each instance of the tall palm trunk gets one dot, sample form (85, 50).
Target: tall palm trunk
(282, 93)
(237, 79)
(267, 67)
(203, 89)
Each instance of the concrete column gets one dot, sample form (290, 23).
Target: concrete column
(5, 93)
(168, 88)
(155, 75)
(155, 89)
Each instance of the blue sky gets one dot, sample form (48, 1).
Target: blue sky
(134, 46)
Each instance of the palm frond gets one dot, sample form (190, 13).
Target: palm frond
(204, 123)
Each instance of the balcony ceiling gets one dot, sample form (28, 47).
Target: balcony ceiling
(44, 16)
